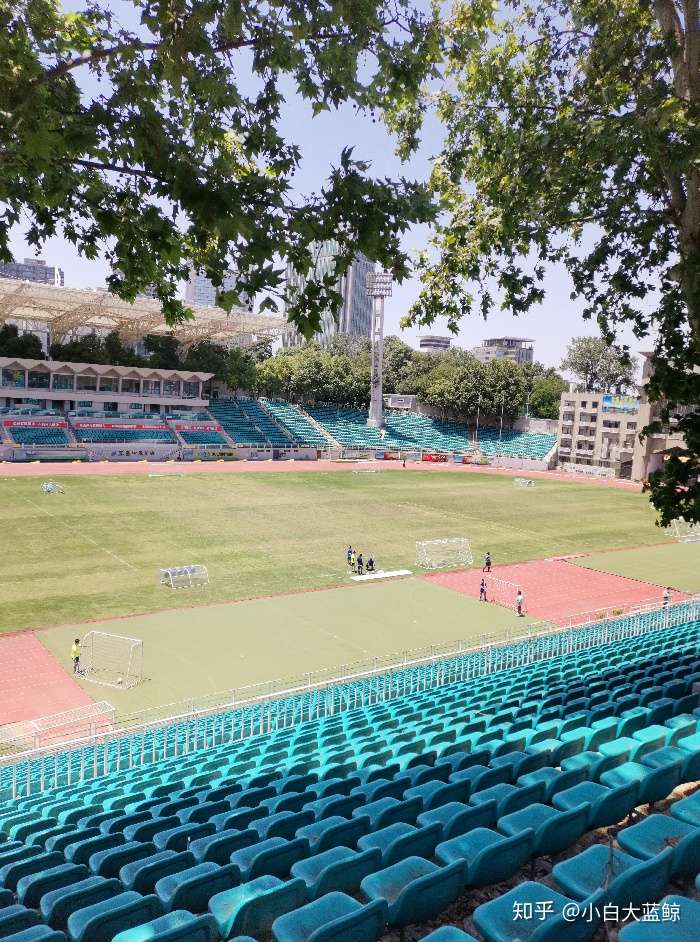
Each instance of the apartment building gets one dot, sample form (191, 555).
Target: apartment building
(598, 430)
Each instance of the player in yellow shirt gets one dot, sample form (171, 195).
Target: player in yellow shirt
(75, 654)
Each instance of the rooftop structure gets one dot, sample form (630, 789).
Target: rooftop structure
(434, 344)
(65, 312)
(517, 349)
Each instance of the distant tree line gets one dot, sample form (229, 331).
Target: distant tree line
(453, 383)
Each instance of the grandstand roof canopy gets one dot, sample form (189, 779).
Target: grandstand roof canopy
(65, 311)
(98, 369)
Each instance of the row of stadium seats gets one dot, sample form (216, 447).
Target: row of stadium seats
(296, 423)
(417, 432)
(48, 435)
(237, 425)
(262, 420)
(378, 815)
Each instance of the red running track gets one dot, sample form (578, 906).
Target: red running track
(32, 682)
(555, 589)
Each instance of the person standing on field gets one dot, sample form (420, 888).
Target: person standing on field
(482, 591)
(519, 600)
(353, 560)
(75, 655)
(487, 562)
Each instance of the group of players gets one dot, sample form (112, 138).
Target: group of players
(357, 563)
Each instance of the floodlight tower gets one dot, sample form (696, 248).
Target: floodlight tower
(378, 288)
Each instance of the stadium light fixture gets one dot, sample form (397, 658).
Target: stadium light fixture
(378, 288)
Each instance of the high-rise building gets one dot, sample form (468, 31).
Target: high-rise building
(202, 293)
(33, 269)
(355, 314)
(517, 349)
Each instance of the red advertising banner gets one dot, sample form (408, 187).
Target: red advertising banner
(198, 428)
(35, 423)
(120, 425)
(432, 456)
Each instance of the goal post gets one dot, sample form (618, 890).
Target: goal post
(503, 592)
(111, 660)
(444, 554)
(523, 482)
(685, 532)
(184, 577)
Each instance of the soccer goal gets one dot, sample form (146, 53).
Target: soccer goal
(685, 532)
(111, 660)
(184, 577)
(503, 592)
(51, 487)
(523, 482)
(443, 554)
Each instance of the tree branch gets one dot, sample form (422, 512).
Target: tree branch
(116, 168)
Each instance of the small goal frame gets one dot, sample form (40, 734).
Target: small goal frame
(184, 577)
(523, 482)
(685, 532)
(444, 554)
(503, 592)
(111, 660)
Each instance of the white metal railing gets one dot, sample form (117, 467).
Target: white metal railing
(89, 756)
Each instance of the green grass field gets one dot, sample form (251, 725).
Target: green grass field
(673, 564)
(191, 653)
(95, 551)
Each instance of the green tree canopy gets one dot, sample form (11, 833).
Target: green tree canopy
(598, 366)
(572, 137)
(154, 139)
(14, 344)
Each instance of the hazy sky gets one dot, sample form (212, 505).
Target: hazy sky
(321, 139)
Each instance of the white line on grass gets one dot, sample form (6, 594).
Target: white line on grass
(83, 536)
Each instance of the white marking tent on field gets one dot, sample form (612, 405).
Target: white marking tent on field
(444, 554)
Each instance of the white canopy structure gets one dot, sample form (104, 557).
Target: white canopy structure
(63, 312)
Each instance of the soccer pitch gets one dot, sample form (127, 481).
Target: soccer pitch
(95, 551)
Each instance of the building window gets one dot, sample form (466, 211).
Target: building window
(131, 386)
(63, 381)
(190, 390)
(631, 426)
(151, 387)
(594, 404)
(39, 380)
(136, 405)
(13, 378)
(171, 387)
(85, 404)
(109, 384)
(87, 382)
(584, 403)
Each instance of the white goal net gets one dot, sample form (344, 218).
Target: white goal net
(111, 660)
(184, 577)
(51, 487)
(443, 554)
(685, 532)
(523, 482)
(504, 593)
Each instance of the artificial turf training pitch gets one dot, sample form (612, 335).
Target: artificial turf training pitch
(95, 552)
